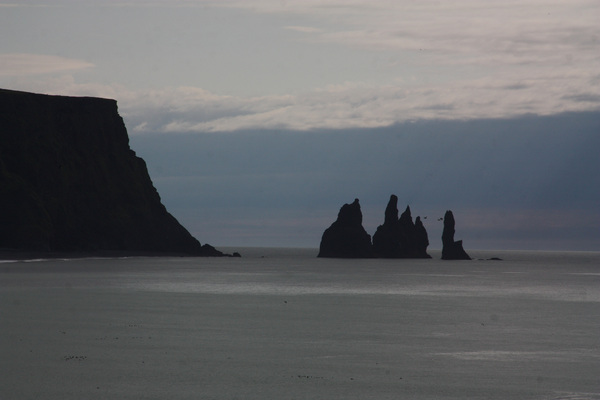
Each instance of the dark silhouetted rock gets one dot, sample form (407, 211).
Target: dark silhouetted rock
(421, 239)
(70, 183)
(400, 237)
(386, 240)
(451, 250)
(346, 237)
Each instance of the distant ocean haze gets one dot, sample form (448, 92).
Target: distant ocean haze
(525, 183)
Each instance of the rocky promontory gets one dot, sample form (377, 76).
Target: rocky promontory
(69, 182)
(346, 237)
(451, 250)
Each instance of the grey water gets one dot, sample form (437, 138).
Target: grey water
(283, 324)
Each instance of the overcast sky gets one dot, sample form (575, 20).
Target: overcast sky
(258, 119)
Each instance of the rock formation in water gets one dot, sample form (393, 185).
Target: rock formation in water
(396, 238)
(400, 237)
(421, 239)
(346, 237)
(70, 183)
(451, 250)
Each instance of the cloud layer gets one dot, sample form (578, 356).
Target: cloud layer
(442, 60)
(351, 105)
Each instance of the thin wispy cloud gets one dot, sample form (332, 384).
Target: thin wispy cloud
(37, 64)
(459, 32)
(304, 29)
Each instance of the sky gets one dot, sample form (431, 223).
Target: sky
(259, 119)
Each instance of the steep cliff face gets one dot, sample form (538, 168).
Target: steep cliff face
(346, 237)
(70, 182)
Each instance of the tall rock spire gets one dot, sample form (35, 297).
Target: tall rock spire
(451, 250)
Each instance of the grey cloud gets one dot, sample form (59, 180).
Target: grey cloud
(518, 32)
(17, 64)
(516, 86)
(584, 98)
(499, 60)
(439, 107)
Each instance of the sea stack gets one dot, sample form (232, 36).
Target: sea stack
(451, 250)
(346, 237)
(70, 183)
(400, 237)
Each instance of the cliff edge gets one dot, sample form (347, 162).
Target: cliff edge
(70, 183)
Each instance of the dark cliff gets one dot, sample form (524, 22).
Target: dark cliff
(346, 237)
(70, 183)
(451, 250)
(400, 237)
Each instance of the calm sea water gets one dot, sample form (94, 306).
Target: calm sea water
(282, 324)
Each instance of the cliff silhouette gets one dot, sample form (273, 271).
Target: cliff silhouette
(400, 237)
(346, 237)
(396, 238)
(69, 182)
(451, 250)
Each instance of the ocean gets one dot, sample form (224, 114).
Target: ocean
(283, 324)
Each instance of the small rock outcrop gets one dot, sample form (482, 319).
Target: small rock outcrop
(70, 183)
(451, 250)
(400, 237)
(346, 237)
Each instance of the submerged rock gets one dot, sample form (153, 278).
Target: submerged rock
(400, 237)
(346, 237)
(70, 183)
(451, 250)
